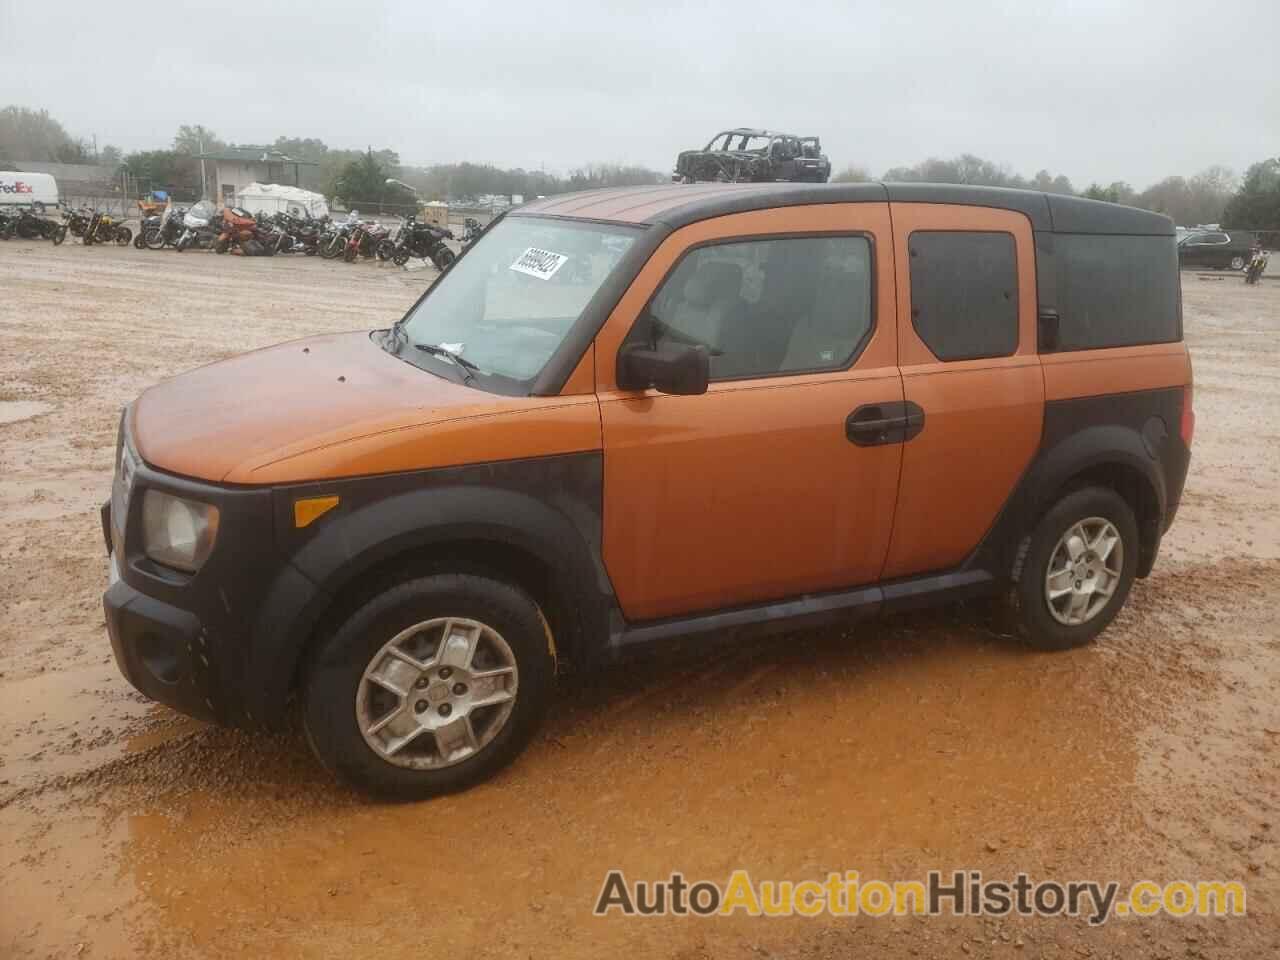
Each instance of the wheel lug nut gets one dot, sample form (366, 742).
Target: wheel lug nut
(421, 683)
(420, 706)
(446, 673)
(445, 709)
(459, 689)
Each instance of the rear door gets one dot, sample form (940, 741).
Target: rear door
(968, 354)
(759, 489)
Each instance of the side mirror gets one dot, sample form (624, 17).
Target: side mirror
(672, 368)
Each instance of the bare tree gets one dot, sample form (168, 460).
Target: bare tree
(852, 174)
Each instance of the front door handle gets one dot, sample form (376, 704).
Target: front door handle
(873, 424)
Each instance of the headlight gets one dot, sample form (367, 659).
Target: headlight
(176, 532)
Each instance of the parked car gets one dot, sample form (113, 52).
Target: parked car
(748, 155)
(1219, 249)
(635, 415)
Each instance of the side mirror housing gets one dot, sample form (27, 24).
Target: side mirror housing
(673, 368)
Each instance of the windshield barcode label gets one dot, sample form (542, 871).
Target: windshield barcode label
(539, 263)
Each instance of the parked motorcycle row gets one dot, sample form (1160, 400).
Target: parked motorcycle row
(237, 231)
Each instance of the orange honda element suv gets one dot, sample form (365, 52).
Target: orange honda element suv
(632, 415)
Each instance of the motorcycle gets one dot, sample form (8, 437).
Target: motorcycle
(472, 232)
(333, 242)
(27, 226)
(1257, 266)
(77, 221)
(166, 231)
(363, 240)
(425, 241)
(241, 233)
(200, 226)
(103, 228)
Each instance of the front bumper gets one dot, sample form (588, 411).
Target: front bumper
(203, 643)
(162, 650)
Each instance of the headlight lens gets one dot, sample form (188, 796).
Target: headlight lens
(176, 532)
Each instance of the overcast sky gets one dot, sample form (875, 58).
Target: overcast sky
(1096, 89)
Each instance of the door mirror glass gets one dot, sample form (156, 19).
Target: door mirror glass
(679, 369)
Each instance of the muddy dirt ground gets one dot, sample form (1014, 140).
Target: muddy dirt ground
(925, 741)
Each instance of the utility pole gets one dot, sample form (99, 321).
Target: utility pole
(204, 177)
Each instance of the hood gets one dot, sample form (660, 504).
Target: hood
(325, 407)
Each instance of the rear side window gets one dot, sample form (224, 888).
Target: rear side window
(767, 307)
(964, 293)
(1115, 291)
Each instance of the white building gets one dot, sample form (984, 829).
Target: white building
(232, 169)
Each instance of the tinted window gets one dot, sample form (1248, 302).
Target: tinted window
(1116, 291)
(764, 307)
(964, 293)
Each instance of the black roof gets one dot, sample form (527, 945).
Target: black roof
(676, 205)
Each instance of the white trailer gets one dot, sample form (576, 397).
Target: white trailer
(28, 189)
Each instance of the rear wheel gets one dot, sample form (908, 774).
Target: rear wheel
(443, 257)
(1079, 566)
(386, 250)
(59, 235)
(123, 236)
(429, 687)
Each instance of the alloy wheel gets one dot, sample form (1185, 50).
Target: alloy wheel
(437, 693)
(1084, 571)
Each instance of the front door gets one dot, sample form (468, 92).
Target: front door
(759, 489)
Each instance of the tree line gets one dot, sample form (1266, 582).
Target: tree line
(1214, 195)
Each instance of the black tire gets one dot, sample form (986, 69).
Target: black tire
(221, 246)
(1030, 606)
(385, 250)
(443, 257)
(123, 236)
(1238, 263)
(335, 673)
(182, 244)
(152, 239)
(400, 258)
(334, 248)
(59, 235)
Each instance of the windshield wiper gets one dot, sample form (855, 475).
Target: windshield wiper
(438, 351)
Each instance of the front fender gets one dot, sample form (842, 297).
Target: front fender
(546, 507)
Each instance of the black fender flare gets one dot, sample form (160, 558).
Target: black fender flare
(1091, 448)
(358, 540)
(1098, 446)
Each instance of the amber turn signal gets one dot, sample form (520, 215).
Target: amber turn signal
(306, 512)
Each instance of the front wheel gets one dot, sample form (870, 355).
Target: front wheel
(1237, 263)
(59, 235)
(443, 257)
(429, 687)
(1079, 566)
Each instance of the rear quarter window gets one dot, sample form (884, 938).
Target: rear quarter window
(1116, 291)
(964, 293)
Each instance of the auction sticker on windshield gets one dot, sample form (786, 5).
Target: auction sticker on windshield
(539, 263)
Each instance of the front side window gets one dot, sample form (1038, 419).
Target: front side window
(766, 307)
(504, 308)
(964, 293)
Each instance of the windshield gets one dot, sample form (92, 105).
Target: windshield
(508, 304)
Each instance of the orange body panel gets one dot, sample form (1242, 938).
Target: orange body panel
(1091, 373)
(983, 418)
(338, 406)
(752, 491)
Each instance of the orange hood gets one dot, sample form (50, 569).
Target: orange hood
(340, 405)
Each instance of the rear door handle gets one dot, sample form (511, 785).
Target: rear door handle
(873, 424)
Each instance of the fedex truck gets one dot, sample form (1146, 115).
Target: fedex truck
(27, 189)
